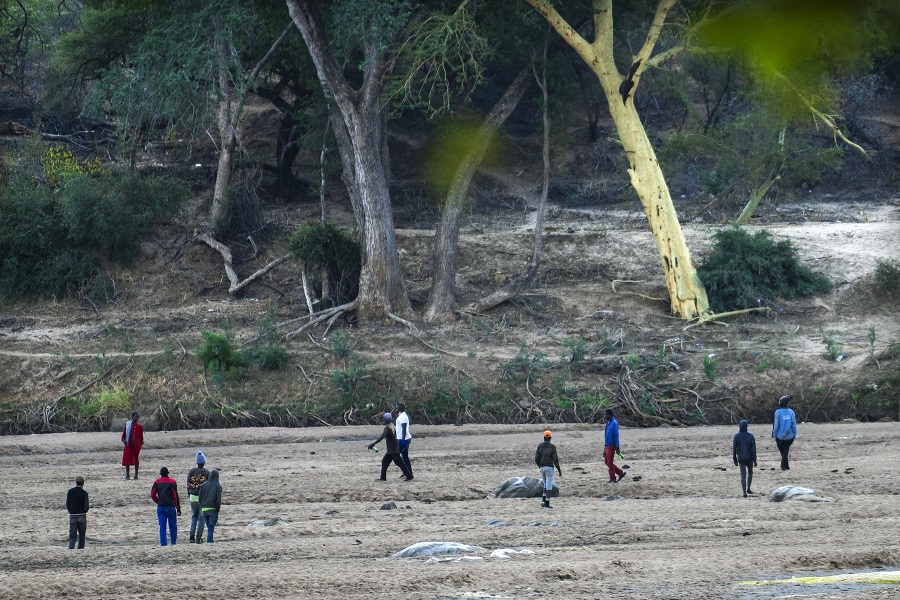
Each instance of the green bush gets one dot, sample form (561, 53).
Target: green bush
(109, 401)
(219, 355)
(333, 250)
(269, 357)
(111, 213)
(746, 271)
(51, 238)
(887, 276)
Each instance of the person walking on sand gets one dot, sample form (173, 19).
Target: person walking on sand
(210, 503)
(546, 458)
(404, 437)
(197, 477)
(611, 447)
(77, 505)
(168, 505)
(392, 450)
(133, 438)
(743, 452)
(784, 429)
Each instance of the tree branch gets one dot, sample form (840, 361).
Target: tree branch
(662, 11)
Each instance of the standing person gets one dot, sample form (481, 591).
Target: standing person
(784, 429)
(392, 450)
(77, 505)
(743, 452)
(168, 505)
(611, 447)
(133, 438)
(546, 458)
(197, 477)
(404, 437)
(210, 503)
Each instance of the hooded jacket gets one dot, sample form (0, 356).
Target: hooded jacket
(743, 449)
(211, 492)
(785, 424)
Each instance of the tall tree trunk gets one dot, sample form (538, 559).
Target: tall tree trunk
(218, 216)
(686, 292)
(360, 125)
(442, 300)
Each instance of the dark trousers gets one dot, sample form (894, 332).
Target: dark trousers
(386, 461)
(404, 453)
(77, 530)
(746, 475)
(784, 446)
(210, 517)
(197, 521)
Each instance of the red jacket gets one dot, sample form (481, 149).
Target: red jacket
(165, 492)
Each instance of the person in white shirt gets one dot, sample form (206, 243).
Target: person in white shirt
(404, 437)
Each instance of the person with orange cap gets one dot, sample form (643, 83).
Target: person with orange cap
(545, 458)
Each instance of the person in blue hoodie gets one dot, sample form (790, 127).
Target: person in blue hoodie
(611, 447)
(784, 429)
(743, 452)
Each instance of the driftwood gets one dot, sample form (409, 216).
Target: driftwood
(236, 284)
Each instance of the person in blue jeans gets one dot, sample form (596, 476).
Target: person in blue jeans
(210, 503)
(784, 429)
(168, 505)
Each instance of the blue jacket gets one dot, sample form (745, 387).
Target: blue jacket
(785, 425)
(612, 434)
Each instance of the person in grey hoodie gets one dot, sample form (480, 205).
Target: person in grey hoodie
(743, 452)
(210, 503)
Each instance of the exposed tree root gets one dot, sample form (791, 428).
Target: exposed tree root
(236, 284)
(711, 318)
(615, 291)
(330, 315)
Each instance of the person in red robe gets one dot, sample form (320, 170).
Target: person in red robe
(133, 438)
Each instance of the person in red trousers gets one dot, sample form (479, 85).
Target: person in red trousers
(611, 447)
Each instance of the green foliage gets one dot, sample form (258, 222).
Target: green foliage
(524, 365)
(710, 367)
(745, 271)
(109, 401)
(772, 360)
(332, 249)
(352, 381)
(219, 355)
(887, 276)
(340, 345)
(578, 351)
(834, 350)
(113, 212)
(442, 58)
(268, 357)
(52, 237)
(634, 361)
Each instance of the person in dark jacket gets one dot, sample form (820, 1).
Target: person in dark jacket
(611, 447)
(545, 458)
(210, 503)
(197, 477)
(743, 452)
(784, 429)
(392, 450)
(168, 505)
(77, 505)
